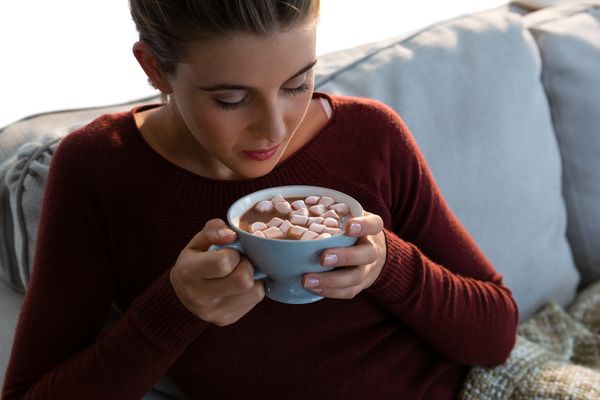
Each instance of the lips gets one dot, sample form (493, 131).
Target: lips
(261, 155)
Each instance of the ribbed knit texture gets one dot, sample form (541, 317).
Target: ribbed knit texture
(116, 215)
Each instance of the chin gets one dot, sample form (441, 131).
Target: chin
(257, 169)
(257, 172)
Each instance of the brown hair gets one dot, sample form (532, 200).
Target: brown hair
(169, 26)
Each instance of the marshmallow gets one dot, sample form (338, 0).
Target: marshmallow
(331, 222)
(285, 226)
(297, 231)
(326, 201)
(309, 235)
(311, 200)
(341, 208)
(333, 231)
(264, 207)
(300, 211)
(298, 204)
(275, 221)
(315, 220)
(330, 214)
(278, 199)
(324, 235)
(259, 234)
(283, 207)
(318, 228)
(273, 233)
(258, 226)
(298, 219)
(317, 210)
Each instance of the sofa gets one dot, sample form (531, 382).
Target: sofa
(505, 105)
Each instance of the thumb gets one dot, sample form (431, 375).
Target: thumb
(215, 231)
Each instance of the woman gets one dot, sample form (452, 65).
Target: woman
(135, 199)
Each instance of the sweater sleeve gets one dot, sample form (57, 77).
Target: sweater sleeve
(436, 279)
(61, 350)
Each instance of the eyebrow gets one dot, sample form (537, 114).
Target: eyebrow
(224, 86)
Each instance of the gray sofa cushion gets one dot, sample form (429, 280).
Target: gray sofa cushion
(25, 181)
(470, 91)
(26, 148)
(10, 304)
(569, 41)
(22, 180)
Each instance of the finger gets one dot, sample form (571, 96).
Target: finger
(215, 231)
(364, 252)
(368, 224)
(345, 293)
(212, 264)
(341, 284)
(240, 280)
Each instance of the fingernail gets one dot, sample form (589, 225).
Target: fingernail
(311, 283)
(223, 232)
(354, 228)
(330, 259)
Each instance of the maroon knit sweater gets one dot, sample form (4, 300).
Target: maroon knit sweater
(116, 215)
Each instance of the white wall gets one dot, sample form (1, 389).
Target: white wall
(57, 54)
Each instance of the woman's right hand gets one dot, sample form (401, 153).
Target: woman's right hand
(216, 286)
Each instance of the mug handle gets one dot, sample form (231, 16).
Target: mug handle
(237, 246)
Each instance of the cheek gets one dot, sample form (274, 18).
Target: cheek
(298, 107)
(197, 115)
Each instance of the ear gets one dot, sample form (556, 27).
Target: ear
(145, 57)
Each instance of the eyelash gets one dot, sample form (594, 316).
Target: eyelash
(292, 91)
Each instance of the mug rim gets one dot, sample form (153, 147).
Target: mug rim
(355, 206)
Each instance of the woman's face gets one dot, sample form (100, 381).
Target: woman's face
(242, 97)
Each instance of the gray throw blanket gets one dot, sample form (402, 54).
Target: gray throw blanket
(556, 356)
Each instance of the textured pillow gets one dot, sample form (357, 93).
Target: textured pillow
(470, 91)
(26, 148)
(25, 181)
(569, 41)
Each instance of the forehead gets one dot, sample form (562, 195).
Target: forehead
(241, 57)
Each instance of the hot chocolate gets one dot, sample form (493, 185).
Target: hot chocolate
(296, 218)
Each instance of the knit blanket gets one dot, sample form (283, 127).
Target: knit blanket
(556, 356)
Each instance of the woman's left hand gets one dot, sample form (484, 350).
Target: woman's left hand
(355, 267)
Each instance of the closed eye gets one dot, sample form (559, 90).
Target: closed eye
(297, 90)
(231, 105)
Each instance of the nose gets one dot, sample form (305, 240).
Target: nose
(270, 123)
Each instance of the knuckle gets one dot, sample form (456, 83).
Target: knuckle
(223, 265)
(352, 292)
(243, 281)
